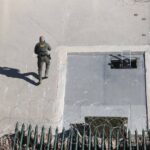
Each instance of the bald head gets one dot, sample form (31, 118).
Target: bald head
(41, 39)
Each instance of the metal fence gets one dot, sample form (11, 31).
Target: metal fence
(100, 138)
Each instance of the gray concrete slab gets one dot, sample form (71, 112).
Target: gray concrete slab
(91, 82)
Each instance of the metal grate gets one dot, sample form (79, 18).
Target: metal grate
(122, 62)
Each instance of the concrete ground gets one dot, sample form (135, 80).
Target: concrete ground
(21, 99)
(62, 22)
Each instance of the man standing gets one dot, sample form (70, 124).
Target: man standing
(42, 49)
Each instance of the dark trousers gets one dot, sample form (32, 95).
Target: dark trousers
(43, 60)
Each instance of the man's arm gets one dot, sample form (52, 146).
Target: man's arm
(36, 49)
(48, 47)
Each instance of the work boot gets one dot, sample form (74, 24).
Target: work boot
(46, 77)
(39, 82)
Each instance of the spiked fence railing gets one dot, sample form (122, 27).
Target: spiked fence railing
(101, 138)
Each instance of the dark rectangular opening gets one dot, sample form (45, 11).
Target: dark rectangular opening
(122, 62)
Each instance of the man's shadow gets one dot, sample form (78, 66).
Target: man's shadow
(15, 73)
